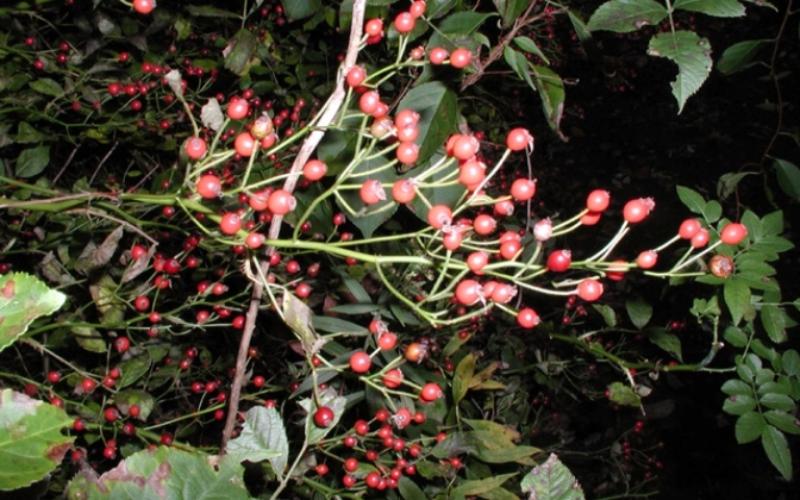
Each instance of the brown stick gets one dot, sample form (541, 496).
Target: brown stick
(330, 110)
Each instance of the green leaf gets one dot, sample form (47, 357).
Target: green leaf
(788, 178)
(777, 450)
(623, 16)
(26, 134)
(125, 399)
(777, 402)
(551, 480)
(133, 369)
(438, 110)
(463, 376)
(667, 341)
(517, 61)
(773, 319)
(735, 336)
(297, 316)
(243, 48)
(791, 363)
(462, 23)
(263, 437)
(528, 45)
(332, 324)
(783, 421)
(89, 339)
(328, 398)
(479, 486)
(739, 56)
(369, 218)
(691, 53)
(639, 311)
(211, 11)
(581, 30)
(551, 92)
(737, 298)
(607, 313)
(749, 427)
(409, 490)
(736, 387)
(513, 9)
(31, 162)
(47, 86)
(622, 394)
(163, 473)
(712, 211)
(728, 182)
(23, 299)
(31, 443)
(693, 200)
(300, 9)
(716, 8)
(738, 404)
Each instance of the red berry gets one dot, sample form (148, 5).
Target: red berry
(110, 414)
(314, 170)
(598, 200)
(245, 144)
(430, 392)
(368, 102)
(404, 22)
(438, 55)
(122, 344)
(733, 233)
(230, 223)
(700, 239)
(484, 224)
(689, 228)
(638, 210)
(460, 58)
(404, 191)
(374, 27)
(590, 289)
(372, 192)
(141, 303)
(519, 139)
(527, 318)
(360, 362)
(238, 108)
(356, 76)
(321, 469)
(559, 261)
(387, 341)
(281, 202)
(476, 261)
(393, 378)
(195, 148)
(144, 6)
(209, 186)
(407, 153)
(323, 417)
(439, 216)
(510, 249)
(468, 292)
(523, 189)
(647, 259)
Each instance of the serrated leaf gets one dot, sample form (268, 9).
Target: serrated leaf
(328, 398)
(163, 473)
(728, 182)
(749, 427)
(716, 8)
(479, 486)
(581, 30)
(31, 442)
(622, 394)
(263, 437)
(737, 298)
(739, 56)
(241, 49)
(26, 134)
(552, 480)
(32, 161)
(691, 53)
(462, 377)
(788, 177)
(211, 115)
(639, 311)
(777, 449)
(134, 369)
(623, 16)
(23, 299)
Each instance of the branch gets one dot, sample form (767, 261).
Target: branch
(330, 110)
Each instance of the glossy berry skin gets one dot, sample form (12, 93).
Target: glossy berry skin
(144, 6)
(230, 223)
(195, 148)
(368, 102)
(484, 224)
(647, 259)
(733, 234)
(430, 392)
(559, 261)
(590, 290)
(700, 239)
(598, 200)
(407, 153)
(510, 249)
(468, 292)
(438, 55)
(689, 228)
(417, 8)
(238, 108)
(245, 144)
(403, 191)
(527, 318)
(209, 186)
(141, 303)
(471, 173)
(323, 417)
(360, 362)
(372, 192)
(374, 27)
(408, 134)
(356, 76)
(404, 22)
(281, 202)
(110, 414)
(314, 170)
(476, 261)
(439, 216)
(393, 378)
(637, 210)
(460, 58)
(518, 139)
(523, 189)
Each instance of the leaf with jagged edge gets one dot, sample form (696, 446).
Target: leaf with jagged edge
(23, 299)
(623, 16)
(691, 53)
(552, 480)
(263, 437)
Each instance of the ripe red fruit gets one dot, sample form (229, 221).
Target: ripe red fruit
(598, 200)
(314, 170)
(374, 27)
(322, 469)
(438, 55)
(468, 292)
(372, 192)
(348, 481)
(559, 261)
(439, 216)
(387, 341)
(484, 224)
(254, 240)
(323, 417)
(138, 251)
(110, 414)
(700, 239)
(407, 153)
(591, 218)
(430, 392)
(230, 223)
(471, 173)
(144, 6)
(244, 144)
(510, 249)
(360, 362)
(238, 108)
(590, 289)
(408, 134)
(460, 58)
(502, 293)
(638, 210)
(281, 202)
(527, 318)
(519, 139)
(141, 303)
(523, 189)
(404, 191)
(209, 186)
(464, 147)
(393, 378)
(404, 22)
(368, 102)
(452, 239)
(733, 233)
(476, 261)
(372, 480)
(689, 228)
(122, 344)
(647, 259)
(53, 377)
(417, 8)
(195, 148)
(356, 76)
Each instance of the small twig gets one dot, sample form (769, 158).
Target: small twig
(774, 78)
(128, 225)
(66, 164)
(331, 108)
(102, 162)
